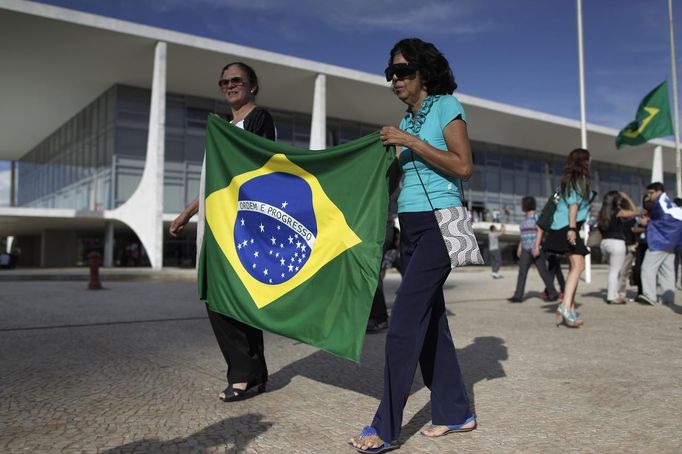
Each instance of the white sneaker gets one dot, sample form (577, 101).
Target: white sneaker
(645, 299)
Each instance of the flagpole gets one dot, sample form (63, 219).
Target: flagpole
(581, 76)
(678, 162)
(583, 122)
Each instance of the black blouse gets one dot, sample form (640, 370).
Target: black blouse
(614, 229)
(260, 122)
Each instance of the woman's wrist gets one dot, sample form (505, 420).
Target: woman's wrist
(572, 229)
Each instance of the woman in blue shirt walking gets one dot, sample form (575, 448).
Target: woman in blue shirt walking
(562, 237)
(434, 153)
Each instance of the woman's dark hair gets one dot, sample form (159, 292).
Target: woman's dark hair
(528, 203)
(434, 69)
(610, 207)
(250, 74)
(577, 173)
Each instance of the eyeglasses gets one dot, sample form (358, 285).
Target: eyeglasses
(399, 70)
(233, 81)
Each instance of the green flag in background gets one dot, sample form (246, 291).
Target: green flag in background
(653, 119)
(293, 237)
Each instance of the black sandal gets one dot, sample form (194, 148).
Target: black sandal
(231, 394)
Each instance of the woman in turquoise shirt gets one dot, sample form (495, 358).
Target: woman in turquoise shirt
(563, 237)
(434, 152)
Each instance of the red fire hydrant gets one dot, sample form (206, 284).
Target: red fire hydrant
(94, 261)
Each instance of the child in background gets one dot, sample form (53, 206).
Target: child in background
(494, 249)
(529, 255)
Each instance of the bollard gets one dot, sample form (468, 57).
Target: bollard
(94, 261)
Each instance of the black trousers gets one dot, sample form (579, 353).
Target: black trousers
(637, 267)
(242, 348)
(419, 333)
(554, 268)
(540, 262)
(379, 313)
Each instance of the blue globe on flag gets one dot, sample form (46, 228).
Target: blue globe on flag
(275, 228)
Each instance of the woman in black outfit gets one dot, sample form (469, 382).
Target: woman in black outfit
(241, 344)
(615, 207)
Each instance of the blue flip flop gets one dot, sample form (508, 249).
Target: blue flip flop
(369, 431)
(453, 428)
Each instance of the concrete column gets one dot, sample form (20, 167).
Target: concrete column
(143, 211)
(43, 247)
(657, 165)
(109, 244)
(318, 126)
(13, 185)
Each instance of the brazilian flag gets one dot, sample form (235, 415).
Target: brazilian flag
(293, 238)
(653, 119)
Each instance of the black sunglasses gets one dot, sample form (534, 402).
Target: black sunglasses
(234, 81)
(400, 70)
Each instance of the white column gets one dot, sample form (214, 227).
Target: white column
(13, 185)
(318, 126)
(108, 244)
(657, 165)
(143, 211)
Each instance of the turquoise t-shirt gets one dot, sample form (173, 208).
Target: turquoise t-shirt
(560, 219)
(436, 112)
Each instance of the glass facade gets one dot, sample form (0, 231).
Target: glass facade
(96, 159)
(72, 167)
(504, 175)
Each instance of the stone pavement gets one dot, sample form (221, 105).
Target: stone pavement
(134, 368)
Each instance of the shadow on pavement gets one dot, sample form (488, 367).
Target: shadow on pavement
(480, 360)
(223, 433)
(674, 307)
(599, 294)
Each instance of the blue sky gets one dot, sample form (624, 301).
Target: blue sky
(520, 52)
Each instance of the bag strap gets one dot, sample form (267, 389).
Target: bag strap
(461, 188)
(420, 180)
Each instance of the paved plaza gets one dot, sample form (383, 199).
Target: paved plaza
(134, 368)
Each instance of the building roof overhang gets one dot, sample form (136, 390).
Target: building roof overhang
(60, 60)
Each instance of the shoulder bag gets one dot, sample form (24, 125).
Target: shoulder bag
(547, 215)
(456, 229)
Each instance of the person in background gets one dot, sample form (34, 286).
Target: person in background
(528, 255)
(639, 229)
(241, 344)
(615, 206)
(554, 268)
(562, 237)
(378, 315)
(678, 253)
(664, 235)
(494, 250)
(625, 275)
